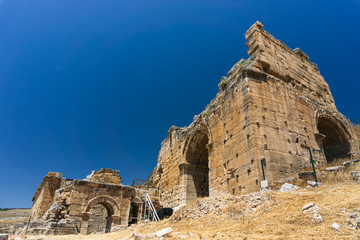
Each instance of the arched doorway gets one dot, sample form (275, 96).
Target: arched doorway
(195, 170)
(333, 139)
(100, 213)
(99, 219)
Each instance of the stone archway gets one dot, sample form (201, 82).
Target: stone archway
(112, 210)
(333, 138)
(195, 169)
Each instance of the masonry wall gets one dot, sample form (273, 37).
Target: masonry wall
(268, 108)
(44, 195)
(82, 192)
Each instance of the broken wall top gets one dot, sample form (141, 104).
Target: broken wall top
(293, 67)
(105, 175)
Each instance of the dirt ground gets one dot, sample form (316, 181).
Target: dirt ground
(283, 218)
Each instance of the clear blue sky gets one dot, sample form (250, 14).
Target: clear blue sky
(98, 83)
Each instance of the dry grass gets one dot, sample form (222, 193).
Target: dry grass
(284, 219)
(15, 213)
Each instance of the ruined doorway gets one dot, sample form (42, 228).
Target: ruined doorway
(100, 219)
(195, 170)
(334, 142)
(104, 206)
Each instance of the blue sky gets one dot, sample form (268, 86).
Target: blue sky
(91, 84)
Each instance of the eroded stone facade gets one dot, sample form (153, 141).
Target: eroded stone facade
(74, 202)
(271, 109)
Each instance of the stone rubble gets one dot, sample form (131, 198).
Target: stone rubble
(248, 203)
(314, 210)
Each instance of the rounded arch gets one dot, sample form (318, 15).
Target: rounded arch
(195, 164)
(200, 128)
(108, 202)
(333, 137)
(320, 115)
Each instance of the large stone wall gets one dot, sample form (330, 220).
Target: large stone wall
(271, 108)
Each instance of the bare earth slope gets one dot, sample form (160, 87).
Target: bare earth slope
(266, 215)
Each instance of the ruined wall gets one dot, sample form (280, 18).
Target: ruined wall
(44, 195)
(82, 192)
(105, 176)
(273, 107)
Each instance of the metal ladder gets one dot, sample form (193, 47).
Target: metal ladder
(151, 208)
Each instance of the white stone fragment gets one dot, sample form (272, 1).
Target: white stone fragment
(314, 184)
(334, 169)
(288, 187)
(163, 232)
(335, 226)
(307, 206)
(317, 217)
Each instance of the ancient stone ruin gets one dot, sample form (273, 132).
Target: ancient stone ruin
(270, 111)
(67, 206)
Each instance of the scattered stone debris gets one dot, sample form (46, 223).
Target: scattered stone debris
(314, 210)
(288, 187)
(232, 205)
